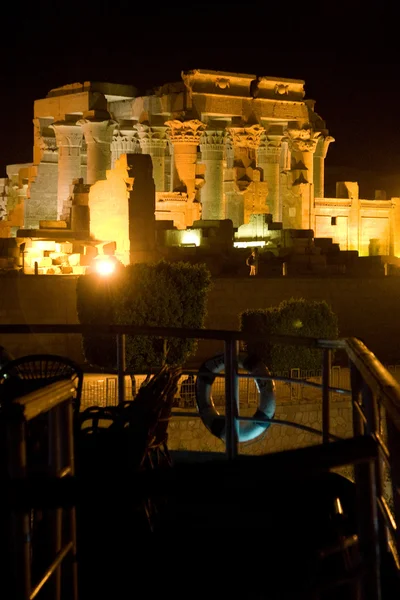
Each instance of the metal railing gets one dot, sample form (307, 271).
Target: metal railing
(375, 397)
(54, 403)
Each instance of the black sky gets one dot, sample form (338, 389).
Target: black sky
(356, 83)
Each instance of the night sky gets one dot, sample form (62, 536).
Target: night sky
(356, 87)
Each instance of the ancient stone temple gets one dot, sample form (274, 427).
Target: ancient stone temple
(222, 146)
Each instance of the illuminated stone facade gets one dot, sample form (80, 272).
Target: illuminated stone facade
(222, 146)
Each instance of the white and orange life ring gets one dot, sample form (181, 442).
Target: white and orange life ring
(211, 418)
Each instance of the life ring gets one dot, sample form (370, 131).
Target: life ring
(211, 417)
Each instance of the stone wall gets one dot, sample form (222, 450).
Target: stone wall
(186, 433)
(366, 308)
(295, 403)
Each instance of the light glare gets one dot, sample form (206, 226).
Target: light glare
(104, 266)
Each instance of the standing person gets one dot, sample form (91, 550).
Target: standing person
(252, 262)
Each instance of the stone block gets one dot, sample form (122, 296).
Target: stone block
(52, 225)
(66, 247)
(66, 270)
(74, 260)
(45, 261)
(79, 270)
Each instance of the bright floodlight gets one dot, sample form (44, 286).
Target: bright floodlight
(104, 265)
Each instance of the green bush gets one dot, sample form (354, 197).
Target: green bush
(294, 317)
(160, 294)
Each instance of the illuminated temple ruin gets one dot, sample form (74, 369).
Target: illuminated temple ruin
(223, 146)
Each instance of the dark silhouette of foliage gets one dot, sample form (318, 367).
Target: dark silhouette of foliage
(294, 317)
(159, 294)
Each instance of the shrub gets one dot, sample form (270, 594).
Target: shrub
(160, 294)
(294, 317)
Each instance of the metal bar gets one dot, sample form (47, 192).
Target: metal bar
(368, 531)
(54, 565)
(121, 364)
(394, 450)
(231, 399)
(326, 371)
(19, 531)
(372, 428)
(356, 384)
(70, 452)
(204, 334)
(55, 515)
(387, 515)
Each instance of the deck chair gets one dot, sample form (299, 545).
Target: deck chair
(29, 373)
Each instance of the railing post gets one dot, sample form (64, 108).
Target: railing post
(231, 399)
(56, 514)
(326, 374)
(19, 530)
(70, 459)
(365, 480)
(393, 438)
(356, 385)
(370, 405)
(121, 365)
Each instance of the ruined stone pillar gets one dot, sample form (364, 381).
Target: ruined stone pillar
(98, 128)
(299, 201)
(142, 205)
(268, 159)
(212, 144)
(69, 140)
(319, 165)
(153, 141)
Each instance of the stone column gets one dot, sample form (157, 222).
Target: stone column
(212, 144)
(244, 194)
(185, 137)
(268, 159)
(319, 165)
(124, 141)
(299, 204)
(153, 141)
(98, 128)
(69, 140)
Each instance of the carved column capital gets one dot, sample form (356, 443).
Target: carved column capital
(246, 137)
(323, 145)
(98, 127)
(153, 140)
(185, 132)
(213, 137)
(270, 148)
(68, 135)
(301, 140)
(212, 141)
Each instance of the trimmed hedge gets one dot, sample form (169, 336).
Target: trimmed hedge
(159, 294)
(294, 317)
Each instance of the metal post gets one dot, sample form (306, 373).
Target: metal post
(121, 365)
(55, 515)
(372, 427)
(393, 437)
(364, 475)
(231, 399)
(326, 373)
(70, 459)
(20, 539)
(368, 533)
(356, 383)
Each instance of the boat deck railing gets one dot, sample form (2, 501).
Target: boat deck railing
(374, 450)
